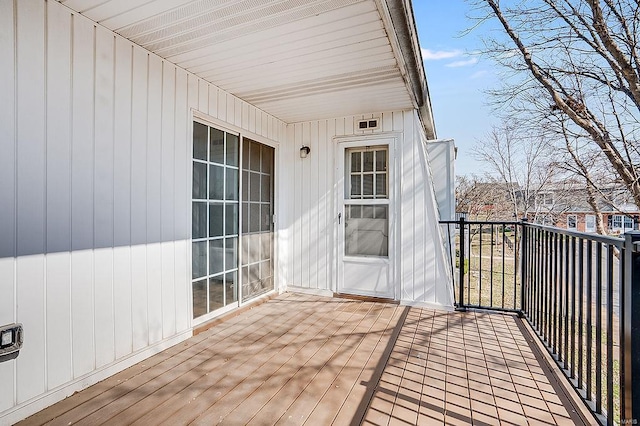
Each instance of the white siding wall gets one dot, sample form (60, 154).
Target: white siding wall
(95, 199)
(431, 280)
(311, 214)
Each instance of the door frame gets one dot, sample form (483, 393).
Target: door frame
(243, 133)
(342, 144)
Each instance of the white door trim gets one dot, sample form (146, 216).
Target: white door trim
(341, 145)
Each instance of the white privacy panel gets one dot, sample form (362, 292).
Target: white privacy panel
(95, 190)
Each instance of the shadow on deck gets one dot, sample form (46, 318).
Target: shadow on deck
(300, 359)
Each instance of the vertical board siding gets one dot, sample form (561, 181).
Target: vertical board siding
(58, 272)
(30, 194)
(7, 189)
(103, 193)
(95, 181)
(312, 229)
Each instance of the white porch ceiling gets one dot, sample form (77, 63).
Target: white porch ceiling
(296, 59)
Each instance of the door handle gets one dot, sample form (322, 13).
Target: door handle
(339, 217)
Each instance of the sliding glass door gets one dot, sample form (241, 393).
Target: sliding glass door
(217, 235)
(215, 218)
(257, 219)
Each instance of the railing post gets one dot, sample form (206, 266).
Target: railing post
(631, 323)
(461, 306)
(523, 265)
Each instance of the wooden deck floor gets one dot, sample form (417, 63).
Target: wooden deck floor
(300, 359)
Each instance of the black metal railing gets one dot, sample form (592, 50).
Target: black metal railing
(576, 291)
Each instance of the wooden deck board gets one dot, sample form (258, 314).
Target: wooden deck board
(300, 359)
(274, 372)
(166, 401)
(220, 381)
(104, 405)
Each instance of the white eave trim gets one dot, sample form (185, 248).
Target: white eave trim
(397, 17)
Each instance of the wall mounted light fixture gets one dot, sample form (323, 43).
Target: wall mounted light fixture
(304, 151)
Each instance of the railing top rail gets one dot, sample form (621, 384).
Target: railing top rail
(614, 241)
(479, 222)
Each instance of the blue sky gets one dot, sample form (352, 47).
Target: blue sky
(456, 76)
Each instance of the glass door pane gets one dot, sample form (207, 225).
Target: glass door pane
(366, 225)
(257, 223)
(215, 219)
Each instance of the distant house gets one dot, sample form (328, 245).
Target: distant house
(566, 206)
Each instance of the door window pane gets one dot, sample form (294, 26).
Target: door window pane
(232, 185)
(216, 292)
(367, 160)
(367, 236)
(231, 223)
(245, 217)
(216, 219)
(367, 186)
(231, 253)
(199, 298)
(254, 217)
(216, 146)
(198, 259)
(199, 187)
(356, 186)
(216, 256)
(381, 184)
(245, 154)
(265, 215)
(254, 156)
(267, 159)
(254, 187)
(254, 248)
(199, 141)
(199, 220)
(216, 182)
(231, 287)
(381, 161)
(232, 150)
(266, 188)
(356, 161)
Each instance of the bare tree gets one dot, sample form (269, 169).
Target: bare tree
(482, 199)
(575, 62)
(520, 161)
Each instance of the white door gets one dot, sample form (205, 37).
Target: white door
(364, 176)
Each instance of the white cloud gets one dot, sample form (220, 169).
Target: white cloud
(464, 63)
(436, 55)
(479, 74)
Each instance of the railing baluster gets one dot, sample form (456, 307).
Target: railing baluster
(491, 260)
(557, 295)
(503, 253)
(461, 263)
(580, 307)
(598, 327)
(479, 269)
(550, 296)
(565, 304)
(573, 308)
(562, 304)
(610, 334)
(589, 308)
(515, 268)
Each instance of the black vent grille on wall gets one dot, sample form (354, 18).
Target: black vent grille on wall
(369, 124)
